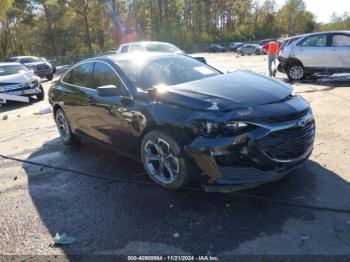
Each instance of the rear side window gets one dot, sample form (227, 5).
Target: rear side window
(104, 75)
(80, 75)
(124, 49)
(314, 41)
(341, 41)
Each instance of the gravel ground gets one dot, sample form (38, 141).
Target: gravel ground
(108, 217)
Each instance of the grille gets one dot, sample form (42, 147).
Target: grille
(42, 67)
(289, 143)
(284, 118)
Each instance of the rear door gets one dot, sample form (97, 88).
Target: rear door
(74, 93)
(315, 51)
(341, 46)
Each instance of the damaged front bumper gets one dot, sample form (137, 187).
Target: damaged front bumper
(264, 154)
(20, 95)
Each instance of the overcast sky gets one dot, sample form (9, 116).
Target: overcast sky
(324, 9)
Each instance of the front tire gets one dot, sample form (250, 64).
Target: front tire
(295, 71)
(163, 158)
(49, 77)
(41, 95)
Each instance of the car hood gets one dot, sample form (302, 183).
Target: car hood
(17, 78)
(239, 89)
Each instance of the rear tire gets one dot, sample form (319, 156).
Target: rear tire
(295, 71)
(164, 159)
(64, 128)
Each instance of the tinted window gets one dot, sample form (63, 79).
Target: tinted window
(314, 41)
(104, 75)
(12, 59)
(165, 71)
(124, 49)
(341, 41)
(80, 75)
(25, 60)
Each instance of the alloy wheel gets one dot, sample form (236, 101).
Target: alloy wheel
(62, 126)
(160, 160)
(296, 72)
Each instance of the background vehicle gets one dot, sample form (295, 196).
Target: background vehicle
(185, 118)
(251, 49)
(233, 46)
(41, 67)
(151, 46)
(236, 47)
(323, 53)
(215, 48)
(16, 80)
(265, 41)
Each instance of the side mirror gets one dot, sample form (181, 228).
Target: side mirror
(109, 90)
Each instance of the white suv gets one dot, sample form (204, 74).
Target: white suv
(323, 53)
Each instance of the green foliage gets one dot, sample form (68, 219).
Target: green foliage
(70, 28)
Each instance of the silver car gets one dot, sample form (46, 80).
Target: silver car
(250, 49)
(317, 53)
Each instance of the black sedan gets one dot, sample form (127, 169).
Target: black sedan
(215, 48)
(185, 119)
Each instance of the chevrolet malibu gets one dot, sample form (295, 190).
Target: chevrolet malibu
(186, 120)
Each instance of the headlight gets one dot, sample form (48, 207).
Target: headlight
(2, 89)
(33, 83)
(211, 128)
(30, 84)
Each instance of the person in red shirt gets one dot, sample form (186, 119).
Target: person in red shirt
(272, 51)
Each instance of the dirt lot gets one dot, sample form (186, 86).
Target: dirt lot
(109, 217)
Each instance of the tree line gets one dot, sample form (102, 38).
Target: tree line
(58, 28)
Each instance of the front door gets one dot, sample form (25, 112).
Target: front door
(113, 114)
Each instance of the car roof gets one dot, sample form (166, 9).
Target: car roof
(9, 64)
(146, 42)
(318, 33)
(131, 56)
(24, 56)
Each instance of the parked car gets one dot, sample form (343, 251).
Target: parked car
(215, 48)
(152, 46)
(265, 41)
(40, 66)
(149, 46)
(233, 46)
(17, 81)
(251, 49)
(323, 53)
(186, 119)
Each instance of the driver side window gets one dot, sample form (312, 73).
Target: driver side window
(314, 41)
(104, 75)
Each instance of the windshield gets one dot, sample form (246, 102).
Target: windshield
(12, 69)
(29, 60)
(161, 47)
(165, 71)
